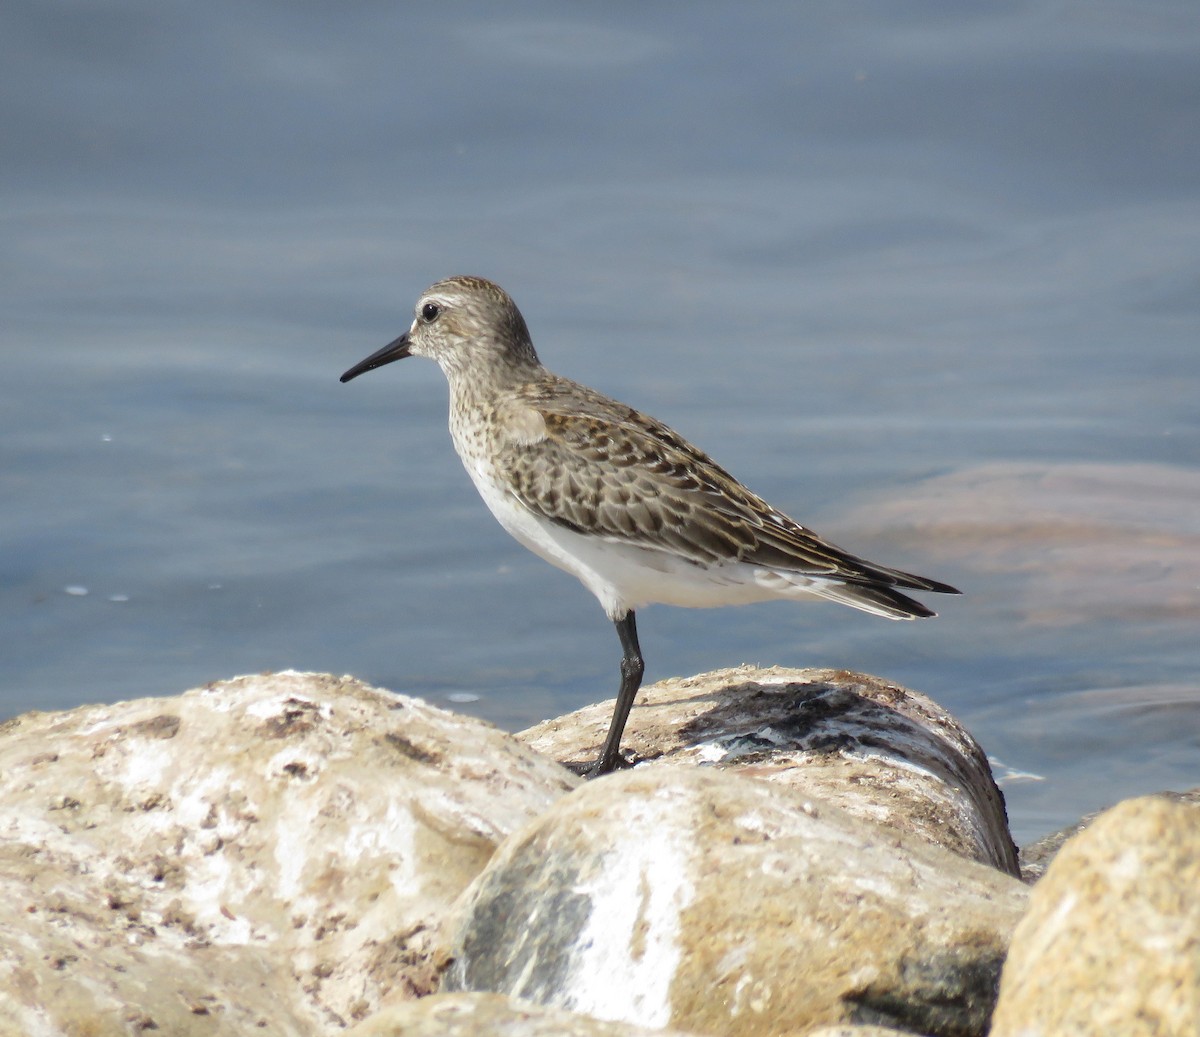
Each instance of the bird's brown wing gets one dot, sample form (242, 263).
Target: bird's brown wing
(604, 469)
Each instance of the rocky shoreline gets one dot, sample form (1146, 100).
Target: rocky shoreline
(797, 852)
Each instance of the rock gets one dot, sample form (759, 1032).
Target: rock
(1089, 541)
(1036, 857)
(854, 1030)
(877, 750)
(491, 1015)
(1111, 942)
(708, 901)
(274, 851)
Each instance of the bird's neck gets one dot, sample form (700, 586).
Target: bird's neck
(488, 377)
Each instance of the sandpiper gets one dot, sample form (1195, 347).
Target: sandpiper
(613, 496)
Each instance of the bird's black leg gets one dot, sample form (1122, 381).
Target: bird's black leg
(631, 679)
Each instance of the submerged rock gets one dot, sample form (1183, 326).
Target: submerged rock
(267, 854)
(1089, 540)
(875, 749)
(711, 902)
(1111, 942)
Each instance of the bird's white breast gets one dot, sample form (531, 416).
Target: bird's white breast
(622, 576)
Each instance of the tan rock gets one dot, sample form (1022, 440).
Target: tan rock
(711, 902)
(877, 750)
(272, 851)
(1111, 943)
(491, 1015)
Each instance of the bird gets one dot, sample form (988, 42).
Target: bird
(611, 495)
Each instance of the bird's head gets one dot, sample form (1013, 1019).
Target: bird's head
(464, 323)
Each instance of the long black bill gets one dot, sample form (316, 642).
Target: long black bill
(397, 350)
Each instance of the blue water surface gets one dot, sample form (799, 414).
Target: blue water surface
(871, 256)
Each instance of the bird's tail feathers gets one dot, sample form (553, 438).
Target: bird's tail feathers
(879, 601)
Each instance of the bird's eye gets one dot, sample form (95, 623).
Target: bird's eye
(429, 312)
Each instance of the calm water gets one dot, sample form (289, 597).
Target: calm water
(929, 279)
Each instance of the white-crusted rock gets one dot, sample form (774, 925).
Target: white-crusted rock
(273, 851)
(877, 750)
(711, 902)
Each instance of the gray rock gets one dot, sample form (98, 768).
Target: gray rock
(274, 851)
(712, 902)
(879, 751)
(491, 1015)
(855, 1030)
(1036, 857)
(1111, 942)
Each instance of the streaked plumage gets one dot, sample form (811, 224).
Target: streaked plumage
(613, 496)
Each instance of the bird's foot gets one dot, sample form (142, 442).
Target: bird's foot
(618, 762)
